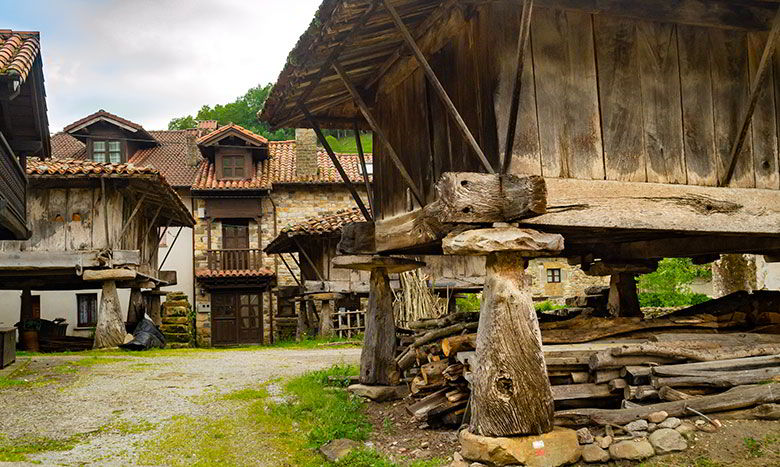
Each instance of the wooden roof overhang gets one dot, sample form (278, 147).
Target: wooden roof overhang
(362, 38)
(156, 192)
(287, 242)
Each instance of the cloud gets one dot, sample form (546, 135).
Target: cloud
(153, 60)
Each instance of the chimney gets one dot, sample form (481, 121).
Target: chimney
(306, 153)
(206, 126)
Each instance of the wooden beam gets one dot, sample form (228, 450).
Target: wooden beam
(151, 223)
(609, 268)
(522, 41)
(755, 89)
(336, 163)
(104, 200)
(448, 104)
(108, 274)
(137, 208)
(34, 260)
(361, 103)
(289, 269)
(308, 259)
(170, 248)
(481, 242)
(362, 157)
(357, 239)
(390, 264)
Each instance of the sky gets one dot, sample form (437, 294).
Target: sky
(152, 60)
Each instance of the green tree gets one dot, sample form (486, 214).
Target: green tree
(670, 284)
(242, 111)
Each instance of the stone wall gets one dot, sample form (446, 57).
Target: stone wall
(573, 281)
(176, 322)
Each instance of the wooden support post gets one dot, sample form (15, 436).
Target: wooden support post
(110, 329)
(525, 27)
(755, 89)
(623, 297)
(511, 391)
(138, 206)
(336, 163)
(308, 259)
(155, 313)
(26, 311)
(448, 104)
(300, 329)
(369, 192)
(326, 319)
(135, 309)
(374, 124)
(377, 359)
(289, 269)
(104, 201)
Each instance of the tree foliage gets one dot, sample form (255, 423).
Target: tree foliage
(670, 284)
(242, 111)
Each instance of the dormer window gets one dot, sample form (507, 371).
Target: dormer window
(234, 167)
(107, 151)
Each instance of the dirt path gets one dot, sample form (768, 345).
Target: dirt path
(115, 403)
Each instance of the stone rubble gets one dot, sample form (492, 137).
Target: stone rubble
(667, 440)
(634, 450)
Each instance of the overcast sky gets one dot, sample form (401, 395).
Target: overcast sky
(153, 60)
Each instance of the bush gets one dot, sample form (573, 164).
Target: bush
(471, 302)
(669, 285)
(547, 306)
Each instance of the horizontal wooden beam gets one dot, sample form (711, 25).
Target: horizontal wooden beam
(368, 263)
(108, 274)
(482, 242)
(32, 260)
(357, 239)
(707, 246)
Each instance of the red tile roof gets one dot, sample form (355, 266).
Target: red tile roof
(176, 157)
(232, 273)
(18, 51)
(327, 224)
(235, 129)
(102, 113)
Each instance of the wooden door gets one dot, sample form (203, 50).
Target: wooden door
(224, 329)
(235, 239)
(250, 318)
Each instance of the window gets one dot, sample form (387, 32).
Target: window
(107, 151)
(553, 275)
(233, 167)
(369, 168)
(87, 309)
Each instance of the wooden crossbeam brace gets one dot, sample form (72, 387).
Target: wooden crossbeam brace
(374, 124)
(104, 196)
(151, 223)
(170, 248)
(445, 98)
(281, 255)
(308, 259)
(336, 163)
(359, 146)
(755, 89)
(159, 240)
(137, 208)
(522, 41)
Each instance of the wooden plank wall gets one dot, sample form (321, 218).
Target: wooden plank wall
(602, 98)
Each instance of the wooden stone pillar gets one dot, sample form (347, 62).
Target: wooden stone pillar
(26, 311)
(326, 319)
(511, 393)
(154, 311)
(623, 296)
(300, 329)
(110, 329)
(377, 358)
(135, 309)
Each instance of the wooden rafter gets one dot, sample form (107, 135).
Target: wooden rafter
(104, 195)
(308, 259)
(758, 82)
(337, 163)
(359, 145)
(170, 248)
(151, 223)
(445, 98)
(137, 208)
(522, 41)
(374, 124)
(281, 255)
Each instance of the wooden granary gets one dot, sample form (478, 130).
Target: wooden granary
(612, 133)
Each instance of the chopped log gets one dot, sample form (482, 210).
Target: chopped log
(603, 376)
(629, 405)
(110, 329)
(502, 239)
(735, 398)
(691, 352)
(437, 334)
(732, 338)
(457, 395)
(511, 392)
(719, 379)
(581, 391)
(377, 358)
(427, 402)
(685, 369)
(606, 360)
(418, 385)
(623, 297)
(407, 359)
(669, 394)
(444, 321)
(453, 345)
(579, 377)
(639, 393)
(636, 372)
(453, 372)
(617, 384)
(432, 372)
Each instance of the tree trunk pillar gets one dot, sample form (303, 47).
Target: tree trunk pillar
(326, 318)
(377, 359)
(26, 311)
(623, 296)
(734, 272)
(511, 391)
(135, 309)
(155, 313)
(110, 329)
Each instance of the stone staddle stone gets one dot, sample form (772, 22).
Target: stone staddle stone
(558, 447)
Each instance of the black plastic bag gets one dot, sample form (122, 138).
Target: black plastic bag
(146, 336)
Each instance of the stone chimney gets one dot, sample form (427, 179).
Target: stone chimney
(306, 153)
(206, 126)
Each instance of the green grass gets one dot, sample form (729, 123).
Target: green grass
(6, 382)
(17, 450)
(318, 343)
(347, 145)
(547, 306)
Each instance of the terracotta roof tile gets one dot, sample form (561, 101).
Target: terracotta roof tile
(103, 113)
(232, 127)
(64, 146)
(18, 51)
(232, 273)
(57, 167)
(325, 224)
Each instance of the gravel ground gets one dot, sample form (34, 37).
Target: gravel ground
(137, 390)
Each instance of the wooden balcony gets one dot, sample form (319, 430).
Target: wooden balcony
(238, 259)
(13, 189)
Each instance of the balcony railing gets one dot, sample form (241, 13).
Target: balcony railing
(240, 259)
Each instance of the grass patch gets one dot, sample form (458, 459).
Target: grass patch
(6, 382)
(348, 145)
(17, 450)
(247, 395)
(319, 343)
(127, 427)
(547, 306)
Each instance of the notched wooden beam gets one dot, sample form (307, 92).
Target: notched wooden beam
(502, 239)
(390, 264)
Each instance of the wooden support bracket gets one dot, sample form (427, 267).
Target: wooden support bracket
(368, 263)
(608, 268)
(108, 274)
(482, 242)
